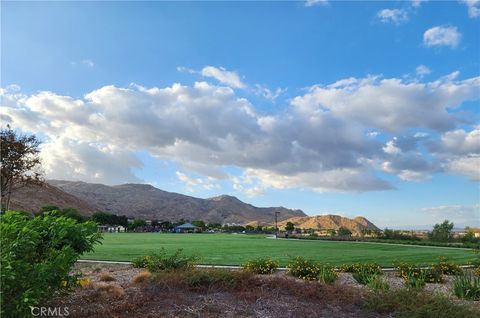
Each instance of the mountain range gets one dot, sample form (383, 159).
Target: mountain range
(147, 202)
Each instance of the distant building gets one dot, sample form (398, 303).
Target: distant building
(187, 228)
(111, 228)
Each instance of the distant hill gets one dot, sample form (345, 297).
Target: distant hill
(148, 202)
(355, 225)
(33, 197)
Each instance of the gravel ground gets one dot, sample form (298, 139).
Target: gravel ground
(120, 297)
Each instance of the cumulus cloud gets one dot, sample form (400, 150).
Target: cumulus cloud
(193, 184)
(311, 3)
(442, 36)
(422, 70)
(395, 16)
(64, 158)
(391, 104)
(229, 78)
(323, 140)
(461, 215)
(473, 8)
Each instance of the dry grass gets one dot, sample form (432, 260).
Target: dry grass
(106, 277)
(224, 293)
(141, 277)
(109, 290)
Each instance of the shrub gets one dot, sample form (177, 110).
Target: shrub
(477, 271)
(108, 290)
(106, 277)
(435, 274)
(36, 257)
(371, 268)
(415, 280)
(84, 282)
(407, 303)
(304, 269)
(327, 274)
(208, 278)
(141, 277)
(363, 276)
(264, 265)
(377, 282)
(448, 267)
(467, 287)
(161, 261)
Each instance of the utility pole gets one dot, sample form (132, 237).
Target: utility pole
(276, 221)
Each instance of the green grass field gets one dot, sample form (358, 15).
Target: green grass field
(231, 249)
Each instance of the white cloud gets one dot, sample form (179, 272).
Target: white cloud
(85, 62)
(390, 104)
(64, 158)
(311, 3)
(193, 184)
(473, 8)
(229, 78)
(321, 141)
(442, 36)
(395, 16)
(417, 3)
(422, 70)
(468, 166)
(460, 215)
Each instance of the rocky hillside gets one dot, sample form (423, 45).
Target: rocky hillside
(33, 197)
(355, 225)
(146, 201)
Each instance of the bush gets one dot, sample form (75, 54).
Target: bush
(208, 278)
(363, 276)
(304, 269)
(415, 280)
(371, 268)
(448, 268)
(36, 257)
(407, 303)
(161, 261)
(377, 282)
(467, 287)
(264, 265)
(327, 274)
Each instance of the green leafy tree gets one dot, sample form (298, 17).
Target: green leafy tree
(289, 227)
(343, 231)
(442, 232)
(37, 256)
(199, 223)
(137, 223)
(20, 163)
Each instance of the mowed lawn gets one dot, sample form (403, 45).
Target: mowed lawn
(235, 249)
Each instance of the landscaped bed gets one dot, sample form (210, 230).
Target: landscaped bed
(112, 290)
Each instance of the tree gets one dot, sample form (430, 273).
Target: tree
(442, 232)
(289, 227)
(343, 231)
(37, 257)
(67, 212)
(199, 223)
(20, 162)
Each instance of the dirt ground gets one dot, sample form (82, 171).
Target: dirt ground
(112, 292)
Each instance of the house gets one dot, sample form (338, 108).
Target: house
(187, 228)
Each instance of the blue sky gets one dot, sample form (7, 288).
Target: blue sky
(356, 108)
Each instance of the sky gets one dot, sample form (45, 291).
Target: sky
(350, 108)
